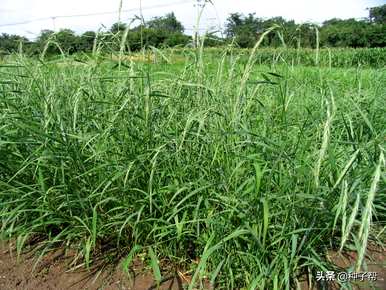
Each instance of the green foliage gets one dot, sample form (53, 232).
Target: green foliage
(157, 32)
(86, 41)
(185, 162)
(377, 35)
(139, 38)
(345, 33)
(336, 57)
(168, 23)
(118, 27)
(378, 14)
(244, 31)
(44, 36)
(11, 43)
(45, 39)
(176, 39)
(67, 40)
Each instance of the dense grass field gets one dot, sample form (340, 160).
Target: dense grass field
(324, 57)
(245, 173)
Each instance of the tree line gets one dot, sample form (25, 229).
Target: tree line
(241, 30)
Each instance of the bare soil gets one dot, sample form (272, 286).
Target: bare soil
(375, 262)
(55, 271)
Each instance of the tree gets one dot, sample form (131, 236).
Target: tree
(68, 41)
(11, 43)
(158, 32)
(44, 35)
(285, 34)
(86, 41)
(345, 33)
(168, 23)
(42, 40)
(376, 31)
(378, 14)
(305, 35)
(244, 29)
(118, 27)
(377, 35)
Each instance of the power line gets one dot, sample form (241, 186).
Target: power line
(53, 18)
(94, 14)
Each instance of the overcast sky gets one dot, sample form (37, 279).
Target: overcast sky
(16, 11)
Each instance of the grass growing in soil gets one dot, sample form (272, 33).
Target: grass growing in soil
(245, 174)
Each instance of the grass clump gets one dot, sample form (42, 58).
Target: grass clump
(257, 171)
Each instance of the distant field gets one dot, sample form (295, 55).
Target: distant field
(325, 57)
(243, 171)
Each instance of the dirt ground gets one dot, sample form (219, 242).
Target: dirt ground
(54, 272)
(375, 261)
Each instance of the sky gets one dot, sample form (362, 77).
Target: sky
(34, 15)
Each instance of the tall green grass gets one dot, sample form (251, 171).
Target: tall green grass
(256, 170)
(324, 57)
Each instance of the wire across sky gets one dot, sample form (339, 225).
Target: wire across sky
(95, 13)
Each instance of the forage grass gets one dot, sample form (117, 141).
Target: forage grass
(325, 140)
(364, 229)
(226, 164)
